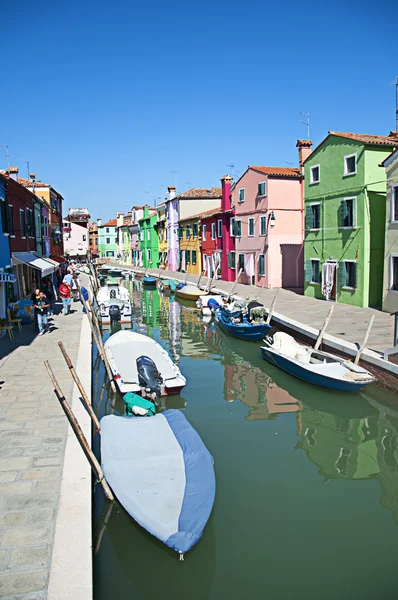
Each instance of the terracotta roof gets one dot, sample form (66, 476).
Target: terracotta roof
(214, 192)
(277, 171)
(127, 219)
(111, 223)
(28, 182)
(389, 157)
(366, 138)
(203, 215)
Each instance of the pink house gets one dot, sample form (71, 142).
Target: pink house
(268, 227)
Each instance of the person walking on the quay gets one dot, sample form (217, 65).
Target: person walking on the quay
(65, 290)
(34, 297)
(41, 307)
(51, 295)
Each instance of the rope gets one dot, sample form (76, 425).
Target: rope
(181, 556)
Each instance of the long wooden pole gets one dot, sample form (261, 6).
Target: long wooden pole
(234, 284)
(96, 467)
(210, 284)
(102, 351)
(80, 387)
(322, 331)
(271, 310)
(362, 348)
(260, 292)
(200, 277)
(103, 523)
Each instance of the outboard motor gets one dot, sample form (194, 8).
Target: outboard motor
(149, 378)
(112, 294)
(114, 313)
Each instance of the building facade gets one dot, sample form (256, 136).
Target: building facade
(137, 213)
(107, 239)
(211, 242)
(93, 240)
(6, 278)
(161, 229)
(149, 249)
(190, 247)
(345, 217)
(390, 285)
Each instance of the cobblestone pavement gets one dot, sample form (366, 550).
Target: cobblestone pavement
(348, 322)
(33, 431)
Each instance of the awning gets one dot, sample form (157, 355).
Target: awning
(58, 259)
(29, 259)
(51, 261)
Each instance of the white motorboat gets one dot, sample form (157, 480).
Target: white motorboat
(141, 365)
(202, 303)
(114, 304)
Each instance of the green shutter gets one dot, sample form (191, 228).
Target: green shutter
(261, 265)
(194, 257)
(188, 257)
(308, 271)
(354, 212)
(354, 275)
(229, 260)
(342, 275)
(343, 213)
(309, 218)
(242, 261)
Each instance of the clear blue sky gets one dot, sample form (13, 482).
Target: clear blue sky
(106, 99)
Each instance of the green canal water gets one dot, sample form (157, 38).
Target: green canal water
(307, 481)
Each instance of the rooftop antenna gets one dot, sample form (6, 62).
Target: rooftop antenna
(7, 155)
(289, 163)
(306, 122)
(175, 176)
(27, 164)
(234, 171)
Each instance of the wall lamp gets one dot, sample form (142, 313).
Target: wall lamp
(272, 219)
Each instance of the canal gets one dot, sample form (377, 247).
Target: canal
(307, 480)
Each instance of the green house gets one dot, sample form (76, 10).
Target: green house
(345, 210)
(107, 239)
(149, 244)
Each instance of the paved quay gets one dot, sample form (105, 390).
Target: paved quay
(33, 436)
(347, 322)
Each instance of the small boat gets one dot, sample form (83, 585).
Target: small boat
(202, 303)
(242, 329)
(114, 304)
(126, 350)
(149, 281)
(162, 474)
(189, 292)
(167, 285)
(127, 274)
(314, 366)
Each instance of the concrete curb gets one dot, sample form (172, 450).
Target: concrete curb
(71, 565)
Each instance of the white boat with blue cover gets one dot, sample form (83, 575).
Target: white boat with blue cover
(162, 474)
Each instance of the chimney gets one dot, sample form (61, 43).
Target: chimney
(32, 176)
(99, 222)
(13, 171)
(393, 134)
(226, 183)
(172, 191)
(304, 150)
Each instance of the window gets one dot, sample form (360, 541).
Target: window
(315, 174)
(350, 164)
(107, 230)
(261, 264)
(204, 262)
(251, 227)
(242, 195)
(148, 253)
(22, 222)
(315, 270)
(108, 240)
(204, 228)
(188, 232)
(5, 216)
(236, 228)
(348, 213)
(134, 217)
(84, 238)
(194, 257)
(263, 225)
(348, 274)
(188, 257)
(313, 216)
(148, 234)
(394, 204)
(11, 219)
(213, 231)
(219, 228)
(262, 188)
(45, 226)
(195, 230)
(30, 224)
(394, 272)
(180, 232)
(231, 260)
(241, 263)
(110, 253)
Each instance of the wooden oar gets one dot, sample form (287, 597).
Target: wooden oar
(362, 348)
(322, 331)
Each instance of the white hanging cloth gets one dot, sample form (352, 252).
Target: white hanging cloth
(183, 261)
(249, 265)
(328, 269)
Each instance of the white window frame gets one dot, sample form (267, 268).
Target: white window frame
(231, 226)
(394, 202)
(148, 235)
(219, 228)
(316, 228)
(392, 256)
(241, 190)
(204, 262)
(319, 261)
(261, 274)
(265, 221)
(248, 227)
(345, 164)
(213, 231)
(354, 212)
(13, 224)
(348, 287)
(312, 182)
(21, 211)
(148, 254)
(265, 189)
(234, 265)
(204, 232)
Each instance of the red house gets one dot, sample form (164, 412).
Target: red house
(21, 206)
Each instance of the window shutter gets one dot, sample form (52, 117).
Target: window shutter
(261, 264)
(354, 212)
(308, 271)
(354, 275)
(343, 213)
(342, 275)
(309, 218)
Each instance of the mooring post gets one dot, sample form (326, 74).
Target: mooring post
(322, 331)
(365, 341)
(271, 310)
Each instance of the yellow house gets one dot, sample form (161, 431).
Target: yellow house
(161, 230)
(190, 244)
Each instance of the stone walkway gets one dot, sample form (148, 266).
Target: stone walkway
(347, 322)
(33, 432)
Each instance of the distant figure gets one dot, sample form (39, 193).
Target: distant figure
(34, 297)
(41, 307)
(50, 294)
(65, 290)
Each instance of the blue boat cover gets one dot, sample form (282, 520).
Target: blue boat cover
(162, 473)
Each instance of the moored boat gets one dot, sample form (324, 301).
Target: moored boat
(126, 351)
(313, 366)
(162, 474)
(114, 304)
(203, 303)
(240, 326)
(149, 281)
(189, 292)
